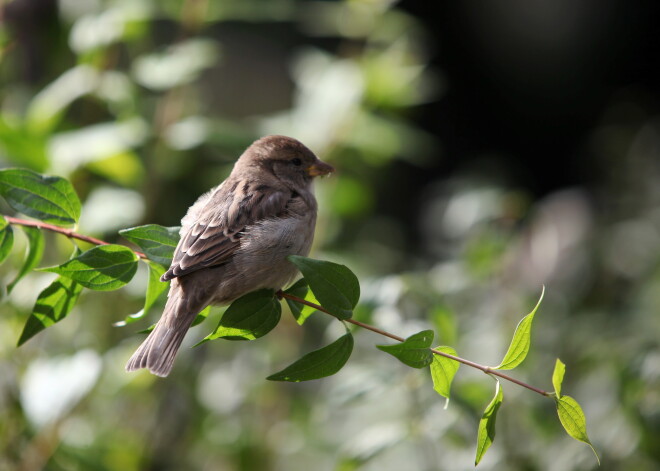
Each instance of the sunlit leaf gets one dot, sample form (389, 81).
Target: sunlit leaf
(155, 288)
(443, 370)
(558, 376)
(573, 420)
(47, 198)
(414, 351)
(486, 433)
(6, 238)
(521, 340)
(335, 286)
(249, 317)
(35, 251)
(301, 311)
(201, 317)
(157, 242)
(320, 363)
(53, 304)
(102, 268)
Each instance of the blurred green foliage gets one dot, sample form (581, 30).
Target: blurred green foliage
(145, 105)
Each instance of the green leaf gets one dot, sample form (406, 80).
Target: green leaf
(35, 251)
(201, 317)
(573, 420)
(558, 376)
(47, 198)
(320, 363)
(335, 286)
(53, 304)
(6, 238)
(414, 351)
(443, 371)
(157, 242)
(249, 317)
(486, 433)
(301, 311)
(102, 268)
(155, 288)
(521, 340)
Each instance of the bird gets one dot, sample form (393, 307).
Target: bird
(235, 239)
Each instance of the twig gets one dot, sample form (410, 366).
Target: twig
(485, 369)
(92, 240)
(70, 233)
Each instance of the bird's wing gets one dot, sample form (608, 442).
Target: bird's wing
(214, 235)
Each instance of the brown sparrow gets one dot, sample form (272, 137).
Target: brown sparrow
(235, 239)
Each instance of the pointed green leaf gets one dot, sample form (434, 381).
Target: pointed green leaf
(443, 370)
(53, 304)
(47, 198)
(558, 376)
(102, 268)
(335, 286)
(300, 290)
(157, 242)
(35, 251)
(201, 317)
(486, 433)
(521, 340)
(414, 351)
(155, 288)
(320, 363)
(249, 317)
(301, 311)
(6, 238)
(573, 420)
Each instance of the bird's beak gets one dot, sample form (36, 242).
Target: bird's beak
(319, 168)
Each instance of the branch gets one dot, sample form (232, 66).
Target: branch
(92, 240)
(70, 233)
(485, 369)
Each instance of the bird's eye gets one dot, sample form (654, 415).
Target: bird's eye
(297, 162)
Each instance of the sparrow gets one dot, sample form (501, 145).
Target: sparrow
(235, 239)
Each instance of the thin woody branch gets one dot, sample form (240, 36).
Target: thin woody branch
(485, 369)
(92, 240)
(70, 233)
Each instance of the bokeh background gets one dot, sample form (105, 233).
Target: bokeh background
(484, 149)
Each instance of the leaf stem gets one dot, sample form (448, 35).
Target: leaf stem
(70, 233)
(485, 369)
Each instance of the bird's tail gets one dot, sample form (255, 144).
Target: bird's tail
(159, 349)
